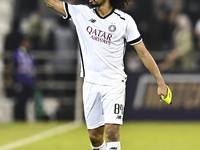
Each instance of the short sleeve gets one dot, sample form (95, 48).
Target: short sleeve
(72, 11)
(132, 34)
(68, 16)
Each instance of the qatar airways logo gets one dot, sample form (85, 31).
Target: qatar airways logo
(99, 36)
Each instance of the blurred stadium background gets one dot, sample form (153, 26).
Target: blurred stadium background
(169, 28)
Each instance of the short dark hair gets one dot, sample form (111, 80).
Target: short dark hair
(119, 4)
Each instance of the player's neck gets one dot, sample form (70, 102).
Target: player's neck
(104, 9)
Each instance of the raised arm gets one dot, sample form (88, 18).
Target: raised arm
(56, 5)
(151, 65)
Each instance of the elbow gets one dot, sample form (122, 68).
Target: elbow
(49, 3)
(144, 55)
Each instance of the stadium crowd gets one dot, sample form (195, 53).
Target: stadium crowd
(157, 21)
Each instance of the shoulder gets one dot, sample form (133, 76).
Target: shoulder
(77, 9)
(79, 6)
(123, 15)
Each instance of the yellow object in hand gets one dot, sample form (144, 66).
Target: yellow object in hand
(167, 99)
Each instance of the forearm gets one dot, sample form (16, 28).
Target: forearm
(151, 65)
(149, 62)
(56, 5)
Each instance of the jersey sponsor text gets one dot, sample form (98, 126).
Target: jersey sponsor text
(99, 36)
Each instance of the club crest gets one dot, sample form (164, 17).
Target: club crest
(112, 28)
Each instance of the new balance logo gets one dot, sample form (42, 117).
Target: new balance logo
(119, 117)
(92, 20)
(113, 148)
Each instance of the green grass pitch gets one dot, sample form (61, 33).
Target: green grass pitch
(148, 135)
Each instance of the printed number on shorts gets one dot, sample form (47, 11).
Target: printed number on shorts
(119, 108)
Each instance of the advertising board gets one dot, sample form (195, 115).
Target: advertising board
(142, 101)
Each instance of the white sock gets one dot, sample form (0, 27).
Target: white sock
(113, 146)
(102, 147)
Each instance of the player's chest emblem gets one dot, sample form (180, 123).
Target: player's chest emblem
(112, 28)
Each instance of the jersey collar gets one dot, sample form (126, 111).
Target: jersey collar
(106, 15)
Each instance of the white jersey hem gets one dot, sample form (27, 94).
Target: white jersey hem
(106, 83)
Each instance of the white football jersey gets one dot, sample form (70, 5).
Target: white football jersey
(103, 42)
